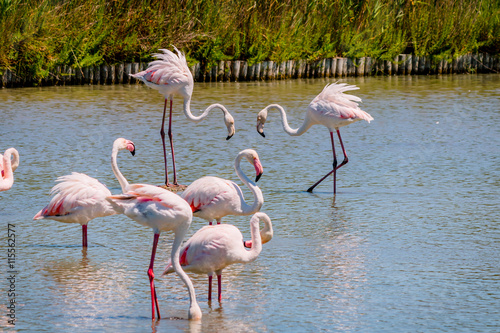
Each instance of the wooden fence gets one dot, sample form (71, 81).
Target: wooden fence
(404, 64)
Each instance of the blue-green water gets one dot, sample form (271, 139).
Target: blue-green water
(410, 244)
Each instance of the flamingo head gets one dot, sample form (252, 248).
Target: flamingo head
(122, 144)
(261, 120)
(229, 120)
(253, 158)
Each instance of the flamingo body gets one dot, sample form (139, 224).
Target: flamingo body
(213, 248)
(7, 168)
(213, 197)
(331, 108)
(160, 210)
(170, 75)
(78, 198)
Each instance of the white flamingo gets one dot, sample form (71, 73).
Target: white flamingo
(160, 210)
(213, 197)
(331, 108)
(7, 167)
(78, 198)
(214, 247)
(170, 75)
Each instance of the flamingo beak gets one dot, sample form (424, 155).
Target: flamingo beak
(229, 137)
(262, 133)
(259, 170)
(131, 147)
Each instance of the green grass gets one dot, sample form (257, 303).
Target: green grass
(39, 35)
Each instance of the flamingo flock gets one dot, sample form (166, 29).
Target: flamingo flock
(78, 198)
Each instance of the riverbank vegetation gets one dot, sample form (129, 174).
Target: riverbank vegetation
(38, 35)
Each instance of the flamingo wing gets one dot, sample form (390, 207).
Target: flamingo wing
(207, 191)
(72, 193)
(332, 102)
(168, 69)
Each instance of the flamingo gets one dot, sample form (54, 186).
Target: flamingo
(213, 198)
(161, 210)
(331, 108)
(214, 247)
(78, 198)
(170, 75)
(7, 168)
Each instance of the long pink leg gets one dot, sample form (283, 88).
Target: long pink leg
(335, 167)
(84, 235)
(210, 287)
(154, 301)
(162, 133)
(219, 287)
(171, 142)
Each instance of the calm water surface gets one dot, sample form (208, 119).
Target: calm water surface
(410, 244)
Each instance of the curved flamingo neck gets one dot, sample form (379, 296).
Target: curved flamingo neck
(8, 168)
(258, 201)
(293, 132)
(256, 247)
(121, 179)
(197, 119)
(15, 160)
(194, 308)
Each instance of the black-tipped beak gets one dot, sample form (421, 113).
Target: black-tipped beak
(133, 151)
(262, 133)
(258, 177)
(229, 137)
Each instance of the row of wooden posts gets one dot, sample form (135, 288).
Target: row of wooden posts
(404, 64)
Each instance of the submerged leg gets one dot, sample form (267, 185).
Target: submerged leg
(84, 235)
(210, 287)
(154, 300)
(162, 133)
(171, 141)
(219, 287)
(335, 167)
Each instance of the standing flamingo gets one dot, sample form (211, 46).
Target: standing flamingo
(161, 210)
(214, 247)
(331, 108)
(78, 198)
(170, 75)
(7, 168)
(213, 198)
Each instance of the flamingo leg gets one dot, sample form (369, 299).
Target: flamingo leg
(171, 142)
(162, 133)
(335, 167)
(219, 287)
(84, 235)
(210, 287)
(154, 300)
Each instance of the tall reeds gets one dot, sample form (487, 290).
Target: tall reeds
(38, 35)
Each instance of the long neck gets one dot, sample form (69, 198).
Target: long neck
(253, 253)
(123, 182)
(293, 132)
(258, 200)
(194, 308)
(15, 160)
(7, 166)
(197, 119)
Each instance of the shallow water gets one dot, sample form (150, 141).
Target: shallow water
(409, 244)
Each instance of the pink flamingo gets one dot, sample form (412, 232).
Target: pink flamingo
(7, 168)
(78, 198)
(170, 75)
(161, 210)
(213, 198)
(331, 108)
(214, 247)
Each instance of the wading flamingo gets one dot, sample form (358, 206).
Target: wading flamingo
(331, 108)
(214, 247)
(213, 198)
(7, 168)
(170, 75)
(78, 198)
(161, 210)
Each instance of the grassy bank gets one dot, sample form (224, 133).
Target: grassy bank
(37, 36)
